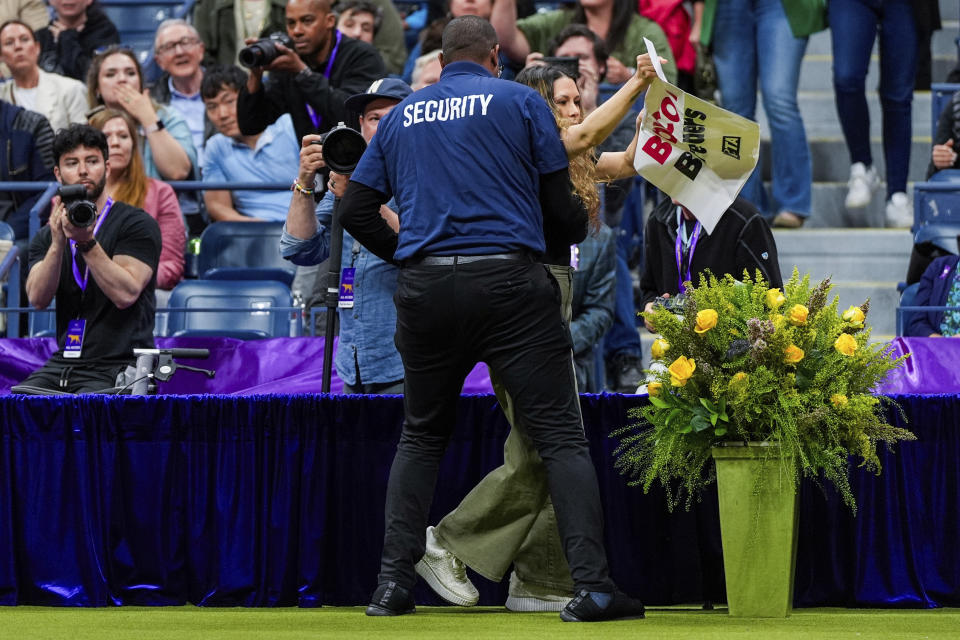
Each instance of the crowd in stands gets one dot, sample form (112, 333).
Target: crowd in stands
(212, 116)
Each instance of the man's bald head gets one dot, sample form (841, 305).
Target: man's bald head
(468, 38)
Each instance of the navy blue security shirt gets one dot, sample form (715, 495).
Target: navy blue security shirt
(463, 159)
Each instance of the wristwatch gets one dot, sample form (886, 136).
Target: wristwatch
(83, 247)
(158, 126)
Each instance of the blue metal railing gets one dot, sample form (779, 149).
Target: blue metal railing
(10, 269)
(901, 311)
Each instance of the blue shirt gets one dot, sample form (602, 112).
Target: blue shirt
(275, 158)
(194, 112)
(366, 330)
(463, 160)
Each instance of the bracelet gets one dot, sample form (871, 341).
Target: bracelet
(157, 126)
(299, 188)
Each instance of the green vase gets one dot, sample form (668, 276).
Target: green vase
(758, 527)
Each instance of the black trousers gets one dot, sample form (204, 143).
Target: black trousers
(75, 376)
(505, 313)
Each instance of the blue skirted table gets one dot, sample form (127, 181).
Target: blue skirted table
(277, 500)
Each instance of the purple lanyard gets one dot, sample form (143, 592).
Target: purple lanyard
(82, 283)
(315, 117)
(677, 250)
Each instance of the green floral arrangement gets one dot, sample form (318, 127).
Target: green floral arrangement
(747, 363)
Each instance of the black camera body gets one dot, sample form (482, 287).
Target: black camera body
(673, 304)
(570, 65)
(80, 211)
(264, 51)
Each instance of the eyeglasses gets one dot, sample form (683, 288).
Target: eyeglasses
(186, 43)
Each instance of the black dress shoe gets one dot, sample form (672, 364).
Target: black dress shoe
(390, 599)
(587, 607)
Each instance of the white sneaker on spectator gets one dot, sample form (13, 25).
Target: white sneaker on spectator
(524, 596)
(863, 180)
(446, 574)
(899, 211)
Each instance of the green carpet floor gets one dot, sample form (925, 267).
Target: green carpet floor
(177, 623)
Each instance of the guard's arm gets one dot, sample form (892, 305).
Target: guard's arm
(360, 216)
(564, 218)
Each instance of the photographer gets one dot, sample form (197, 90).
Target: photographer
(98, 259)
(367, 360)
(311, 80)
(677, 249)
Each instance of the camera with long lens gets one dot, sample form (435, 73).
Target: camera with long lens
(342, 148)
(264, 51)
(80, 211)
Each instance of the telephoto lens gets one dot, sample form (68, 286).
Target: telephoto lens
(80, 211)
(342, 148)
(264, 51)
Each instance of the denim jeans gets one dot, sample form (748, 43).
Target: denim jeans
(506, 313)
(622, 337)
(752, 42)
(854, 25)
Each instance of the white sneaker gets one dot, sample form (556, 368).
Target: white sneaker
(863, 180)
(525, 597)
(446, 574)
(899, 210)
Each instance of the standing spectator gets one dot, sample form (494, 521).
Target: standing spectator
(61, 100)
(312, 81)
(33, 13)
(127, 182)
(179, 50)
(68, 44)
(268, 156)
(27, 139)
(224, 25)
(682, 32)
(593, 305)
(854, 26)
(763, 42)
(616, 21)
(379, 21)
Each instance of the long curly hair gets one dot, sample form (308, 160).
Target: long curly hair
(583, 167)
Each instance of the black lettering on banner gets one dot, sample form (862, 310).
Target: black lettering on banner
(731, 146)
(689, 165)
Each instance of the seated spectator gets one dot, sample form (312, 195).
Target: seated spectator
(32, 12)
(268, 156)
(426, 70)
(741, 240)
(127, 182)
(379, 21)
(28, 140)
(61, 100)
(178, 51)
(616, 21)
(939, 287)
(312, 81)
(68, 44)
(945, 140)
(101, 276)
(224, 25)
(595, 260)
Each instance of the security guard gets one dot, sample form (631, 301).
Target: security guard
(477, 167)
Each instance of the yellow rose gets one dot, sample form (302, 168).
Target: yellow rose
(838, 400)
(793, 354)
(854, 315)
(706, 320)
(775, 299)
(739, 376)
(681, 370)
(797, 314)
(659, 348)
(846, 344)
(654, 388)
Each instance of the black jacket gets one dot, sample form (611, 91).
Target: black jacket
(356, 67)
(71, 54)
(27, 156)
(741, 240)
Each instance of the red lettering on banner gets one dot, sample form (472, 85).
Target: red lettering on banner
(657, 149)
(669, 109)
(665, 131)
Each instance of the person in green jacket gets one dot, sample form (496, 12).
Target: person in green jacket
(616, 21)
(763, 42)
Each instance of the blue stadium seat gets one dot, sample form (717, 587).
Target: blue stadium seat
(43, 323)
(907, 299)
(940, 94)
(258, 295)
(946, 175)
(137, 22)
(935, 203)
(10, 280)
(246, 245)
